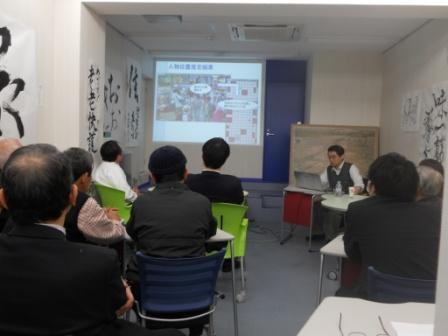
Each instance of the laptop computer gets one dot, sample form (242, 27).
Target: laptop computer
(309, 181)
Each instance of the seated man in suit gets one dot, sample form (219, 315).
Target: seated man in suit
(51, 286)
(389, 230)
(86, 220)
(171, 221)
(109, 172)
(217, 187)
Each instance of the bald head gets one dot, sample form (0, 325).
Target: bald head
(430, 182)
(37, 182)
(7, 146)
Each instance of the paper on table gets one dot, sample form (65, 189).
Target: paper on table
(413, 329)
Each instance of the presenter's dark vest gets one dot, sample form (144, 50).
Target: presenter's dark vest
(71, 220)
(344, 177)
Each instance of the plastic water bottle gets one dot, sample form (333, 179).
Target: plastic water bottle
(338, 188)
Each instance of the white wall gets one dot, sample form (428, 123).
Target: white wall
(345, 89)
(417, 63)
(118, 49)
(93, 46)
(38, 16)
(60, 56)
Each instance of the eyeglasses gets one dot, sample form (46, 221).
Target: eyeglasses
(361, 333)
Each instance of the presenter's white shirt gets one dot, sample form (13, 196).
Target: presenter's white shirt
(354, 174)
(112, 175)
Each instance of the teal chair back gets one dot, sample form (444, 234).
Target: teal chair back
(114, 198)
(231, 218)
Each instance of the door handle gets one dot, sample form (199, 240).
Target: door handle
(269, 133)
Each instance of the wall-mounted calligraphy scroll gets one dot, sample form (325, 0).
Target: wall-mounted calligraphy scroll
(134, 103)
(434, 123)
(93, 101)
(18, 87)
(114, 118)
(410, 111)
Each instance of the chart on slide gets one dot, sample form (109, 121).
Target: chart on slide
(241, 127)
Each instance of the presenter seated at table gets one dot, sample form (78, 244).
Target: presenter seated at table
(109, 172)
(217, 187)
(345, 174)
(341, 171)
(87, 221)
(65, 288)
(390, 230)
(170, 221)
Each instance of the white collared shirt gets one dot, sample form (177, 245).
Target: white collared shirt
(54, 226)
(354, 175)
(112, 175)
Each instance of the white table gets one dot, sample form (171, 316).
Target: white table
(334, 248)
(222, 236)
(339, 203)
(341, 316)
(314, 195)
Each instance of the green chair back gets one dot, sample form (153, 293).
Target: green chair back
(114, 198)
(230, 218)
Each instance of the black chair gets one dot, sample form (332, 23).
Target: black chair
(388, 288)
(177, 290)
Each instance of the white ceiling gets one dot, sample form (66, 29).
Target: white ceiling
(209, 35)
(204, 28)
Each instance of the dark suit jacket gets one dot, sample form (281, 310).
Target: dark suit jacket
(170, 221)
(50, 286)
(217, 187)
(399, 238)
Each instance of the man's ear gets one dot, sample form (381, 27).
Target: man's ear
(371, 189)
(152, 177)
(85, 179)
(73, 195)
(3, 199)
(185, 175)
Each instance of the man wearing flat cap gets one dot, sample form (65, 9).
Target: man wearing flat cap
(171, 221)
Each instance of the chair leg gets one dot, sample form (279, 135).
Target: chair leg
(243, 273)
(242, 295)
(211, 327)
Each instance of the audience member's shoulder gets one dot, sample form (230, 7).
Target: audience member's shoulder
(192, 178)
(434, 202)
(195, 196)
(231, 178)
(366, 202)
(98, 252)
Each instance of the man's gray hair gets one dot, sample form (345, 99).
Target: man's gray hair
(431, 181)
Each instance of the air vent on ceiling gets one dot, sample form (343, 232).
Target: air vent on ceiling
(163, 18)
(260, 32)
